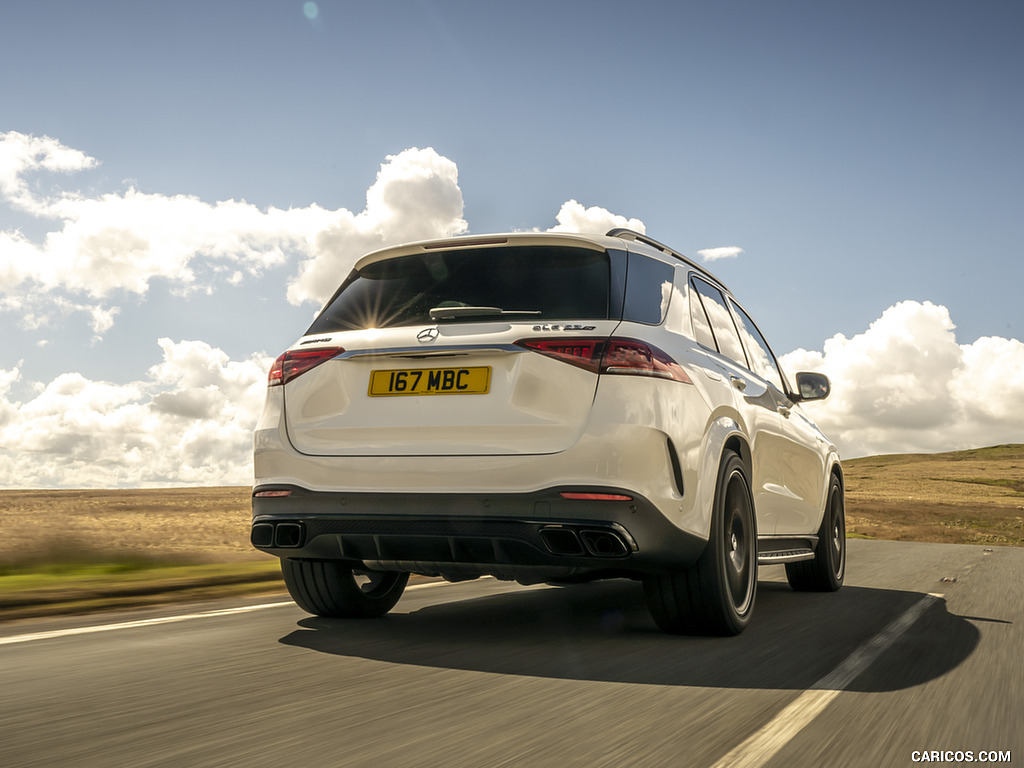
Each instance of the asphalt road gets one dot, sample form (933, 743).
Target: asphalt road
(492, 674)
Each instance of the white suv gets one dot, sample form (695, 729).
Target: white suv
(543, 408)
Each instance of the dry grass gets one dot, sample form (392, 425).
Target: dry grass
(965, 497)
(190, 525)
(972, 497)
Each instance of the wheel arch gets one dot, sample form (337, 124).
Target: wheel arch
(836, 468)
(738, 444)
(723, 434)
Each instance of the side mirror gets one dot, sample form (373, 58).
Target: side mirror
(812, 386)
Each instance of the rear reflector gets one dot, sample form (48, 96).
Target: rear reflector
(295, 363)
(272, 494)
(595, 496)
(612, 356)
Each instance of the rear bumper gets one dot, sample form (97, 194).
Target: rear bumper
(630, 442)
(537, 536)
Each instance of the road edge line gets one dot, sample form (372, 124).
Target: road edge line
(71, 631)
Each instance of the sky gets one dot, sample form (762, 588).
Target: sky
(182, 184)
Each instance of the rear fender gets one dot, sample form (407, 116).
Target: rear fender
(723, 434)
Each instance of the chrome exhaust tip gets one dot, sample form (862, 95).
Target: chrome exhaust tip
(288, 535)
(604, 544)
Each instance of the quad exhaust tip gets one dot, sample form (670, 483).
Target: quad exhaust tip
(561, 541)
(593, 542)
(285, 535)
(604, 544)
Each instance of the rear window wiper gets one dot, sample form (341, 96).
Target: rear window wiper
(454, 313)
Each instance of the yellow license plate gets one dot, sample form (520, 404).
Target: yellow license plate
(431, 381)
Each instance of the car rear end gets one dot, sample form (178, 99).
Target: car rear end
(483, 406)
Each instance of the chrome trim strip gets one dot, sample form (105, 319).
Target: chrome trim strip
(422, 352)
(787, 556)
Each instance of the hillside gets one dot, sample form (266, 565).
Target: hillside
(971, 497)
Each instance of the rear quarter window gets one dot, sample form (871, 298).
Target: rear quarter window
(648, 289)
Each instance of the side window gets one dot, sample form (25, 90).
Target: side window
(721, 321)
(701, 324)
(648, 290)
(762, 361)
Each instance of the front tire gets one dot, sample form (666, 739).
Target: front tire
(826, 571)
(715, 596)
(334, 590)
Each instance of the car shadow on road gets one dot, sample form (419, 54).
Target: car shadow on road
(602, 632)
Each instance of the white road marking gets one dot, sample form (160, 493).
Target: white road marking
(761, 747)
(32, 636)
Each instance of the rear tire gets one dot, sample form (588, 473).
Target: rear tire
(715, 596)
(826, 571)
(334, 590)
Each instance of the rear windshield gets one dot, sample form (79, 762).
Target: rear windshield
(525, 282)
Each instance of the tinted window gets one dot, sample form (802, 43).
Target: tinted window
(762, 361)
(648, 289)
(721, 321)
(701, 324)
(551, 283)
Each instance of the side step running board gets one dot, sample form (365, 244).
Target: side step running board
(772, 550)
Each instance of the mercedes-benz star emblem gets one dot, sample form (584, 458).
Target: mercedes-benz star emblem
(427, 335)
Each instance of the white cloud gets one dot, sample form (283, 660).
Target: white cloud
(122, 242)
(7, 411)
(117, 243)
(21, 154)
(717, 254)
(416, 196)
(189, 422)
(907, 385)
(35, 311)
(573, 217)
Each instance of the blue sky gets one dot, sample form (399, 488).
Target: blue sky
(865, 157)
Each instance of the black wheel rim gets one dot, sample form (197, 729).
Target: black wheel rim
(374, 583)
(738, 543)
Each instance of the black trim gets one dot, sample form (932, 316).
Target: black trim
(483, 533)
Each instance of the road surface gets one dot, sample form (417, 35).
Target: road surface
(921, 652)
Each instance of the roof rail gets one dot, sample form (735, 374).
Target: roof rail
(628, 234)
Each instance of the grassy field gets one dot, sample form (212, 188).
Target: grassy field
(79, 550)
(179, 525)
(965, 497)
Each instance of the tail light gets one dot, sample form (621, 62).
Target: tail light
(639, 359)
(295, 363)
(612, 356)
(583, 353)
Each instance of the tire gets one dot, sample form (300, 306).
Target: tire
(715, 595)
(826, 571)
(333, 590)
